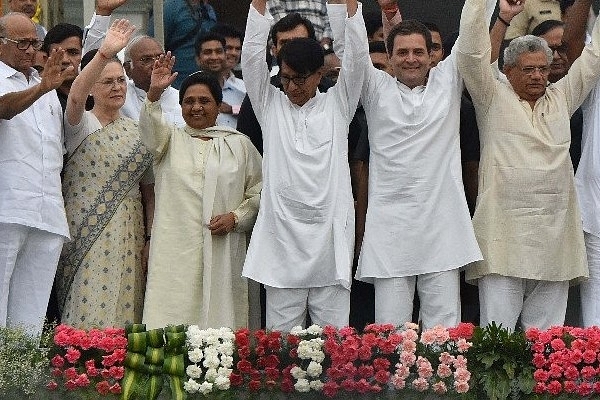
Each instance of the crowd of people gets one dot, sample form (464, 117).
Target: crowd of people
(328, 165)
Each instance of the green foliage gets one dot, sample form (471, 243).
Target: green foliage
(23, 361)
(500, 361)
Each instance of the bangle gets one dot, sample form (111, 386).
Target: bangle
(503, 21)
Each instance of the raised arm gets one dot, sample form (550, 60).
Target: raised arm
(94, 33)
(261, 7)
(575, 20)
(390, 16)
(162, 76)
(256, 72)
(116, 39)
(473, 49)
(12, 104)
(154, 131)
(584, 72)
(508, 11)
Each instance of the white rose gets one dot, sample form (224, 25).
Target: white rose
(225, 348)
(226, 372)
(193, 371)
(298, 373)
(227, 361)
(302, 385)
(211, 374)
(316, 385)
(314, 330)
(211, 362)
(314, 369)
(222, 383)
(191, 386)
(195, 355)
(297, 331)
(205, 387)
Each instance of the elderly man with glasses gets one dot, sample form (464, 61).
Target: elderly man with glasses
(33, 224)
(527, 219)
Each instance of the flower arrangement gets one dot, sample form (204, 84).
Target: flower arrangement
(436, 361)
(258, 362)
(464, 362)
(309, 352)
(210, 352)
(567, 360)
(88, 359)
(359, 363)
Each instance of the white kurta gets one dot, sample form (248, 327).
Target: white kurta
(527, 219)
(304, 233)
(418, 221)
(587, 178)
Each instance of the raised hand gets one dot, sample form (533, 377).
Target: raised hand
(117, 37)
(510, 8)
(53, 74)
(387, 4)
(162, 76)
(106, 7)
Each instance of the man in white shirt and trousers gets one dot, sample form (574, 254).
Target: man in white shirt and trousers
(302, 244)
(33, 224)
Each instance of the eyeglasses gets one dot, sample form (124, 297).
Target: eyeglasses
(298, 80)
(561, 48)
(545, 70)
(23, 44)
(148, 59)
(120, 81)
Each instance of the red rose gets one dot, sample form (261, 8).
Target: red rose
(103, 387)
(330, 389)
(115, 389)
(244, 366)
(51, 385)
(236, 379)
(254, 385)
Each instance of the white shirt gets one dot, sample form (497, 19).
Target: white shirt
(31, 155)
(234, 91)
(304, 233)
(587, 178)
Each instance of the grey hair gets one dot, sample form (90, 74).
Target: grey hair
(135, 40)
(4, 21)
(525, 44)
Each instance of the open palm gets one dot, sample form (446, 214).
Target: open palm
(162, 75)
(117, 37)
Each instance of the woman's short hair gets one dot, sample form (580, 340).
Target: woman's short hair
(303, 55)
(525, 44)
(202, 78)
